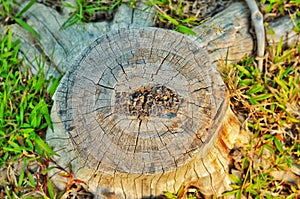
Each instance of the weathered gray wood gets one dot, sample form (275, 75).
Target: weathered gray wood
(227, 35)
(282, 28)
(58, 46)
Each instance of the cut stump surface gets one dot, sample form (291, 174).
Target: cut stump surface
(144, 114)
(138, 103)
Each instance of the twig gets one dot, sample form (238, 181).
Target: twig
(257, 19)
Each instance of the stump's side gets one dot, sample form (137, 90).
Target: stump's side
(209, 173)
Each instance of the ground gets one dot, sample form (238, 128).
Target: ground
(266, 102)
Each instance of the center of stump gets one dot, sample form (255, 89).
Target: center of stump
(154, 101)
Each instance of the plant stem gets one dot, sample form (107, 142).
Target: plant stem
(257, 19)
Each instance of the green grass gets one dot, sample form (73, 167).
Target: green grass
(268, 102)
(279, 7)
(9, 16)
(172, 15)
(84, 11)
(25, 102)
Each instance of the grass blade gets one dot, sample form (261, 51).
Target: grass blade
(185, 30)
(43, 145)
(281, 83)
(172, 20)
(262, 97)
(25, 9)
(50, 188)
(277, 144)
(235, 179)
(117, 3)
(30, 181)
(255, 89)
(21, 178)
(27, 27)
(244, 71)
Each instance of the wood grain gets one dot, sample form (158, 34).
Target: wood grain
(128, 61)
(140, 152)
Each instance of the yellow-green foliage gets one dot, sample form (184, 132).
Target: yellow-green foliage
(269, 104)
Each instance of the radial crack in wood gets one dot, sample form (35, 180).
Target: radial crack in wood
(143, 115)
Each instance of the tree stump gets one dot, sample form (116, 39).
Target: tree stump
(144, 114)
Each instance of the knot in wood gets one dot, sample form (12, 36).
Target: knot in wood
(140, 101)
(157, 101)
